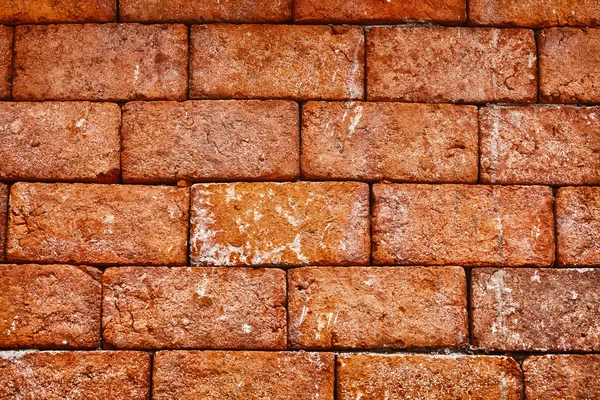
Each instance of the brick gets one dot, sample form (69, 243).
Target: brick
(468, 225)
(569, 60)
(56, 11)
(458, 65)
(451, 12)
(213, 375)
(199, 11)
(371, 307)
(566, 376)
(6, 60)
(97, 224)
(259, 61)
(379, 376)
(53, 375)
(301, 223)
(80, 141)
(536, 309)
(578, 226)
(210, 140)
(209, 308)
(392, 141)
(110, 62)
(540, 145)
(534, 13)
(3, 218)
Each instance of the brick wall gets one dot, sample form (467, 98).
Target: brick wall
(307, 199)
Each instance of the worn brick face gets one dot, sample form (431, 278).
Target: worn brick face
(258, 61)
(536, 309)
(3, 218)
(465, 225)
(55, 11)
(215, 375)
(372, 307)
(458, 65)
(6, 60)
(210, 140)
(303, 223)
(97, 224)
(110, 62)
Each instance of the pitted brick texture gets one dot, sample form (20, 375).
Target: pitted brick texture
(6, 61)
(56, 11)
(3, 218)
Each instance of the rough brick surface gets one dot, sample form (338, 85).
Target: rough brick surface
(276, 61)
(578, 226)
(195, 11)
(373, 307)
(229, 308)
(393, 141)
(463, 225)
(452, 12)
(6, 59)
(60, 141)
(215, 375)
(50, 375)
(569, 59)
(111, 62)
(14, 12)
(210, 140)
(536, 309)
(375, 377)
(557, 377)
(462, 65)
(3, 218)
(316, 223)
(97, 224)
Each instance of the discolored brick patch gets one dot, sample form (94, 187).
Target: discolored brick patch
(56, 11)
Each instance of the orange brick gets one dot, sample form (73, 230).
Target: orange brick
(55, 11)
(6, 60)
(3, 218)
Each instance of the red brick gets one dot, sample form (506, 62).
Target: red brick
(215, 375)
(379, 376)
(452, 12)
(97, 224)
(80, 141)
(569, 59)
(462, 65)
(49, 306)
(55, 11)
(372, 307)
(51, 375)
(393, 141)
(536, 309)
(6, 60)
(301, 223)
(469, 225)
(567, 376)
(210, 140)
(198, 11)
(578, 226)
(209, 308)
(110, 62)
(540, 145)
(3, 218)
(276, 61)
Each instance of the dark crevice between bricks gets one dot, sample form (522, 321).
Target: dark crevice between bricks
(466, 23)
(117, 13)
(152, 355)
(335, 376)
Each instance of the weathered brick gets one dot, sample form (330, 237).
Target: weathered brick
(469, 225)
(55, 11)
(60, 141)
(52, 375)
(557, 377)
(97, 224)
(198, 11)
(372, 307)
(3, 218)
(300, 223)
(375, 377)
(462, 65)
(540, 145)
(208, 308)
(534, 13)
(536, 309)
(569, 59)
(111, 62)
(215, 375)
(393, 141)
(6, 60)
(578, 226)
(277, 61)
(452, 12)
(210, 140)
